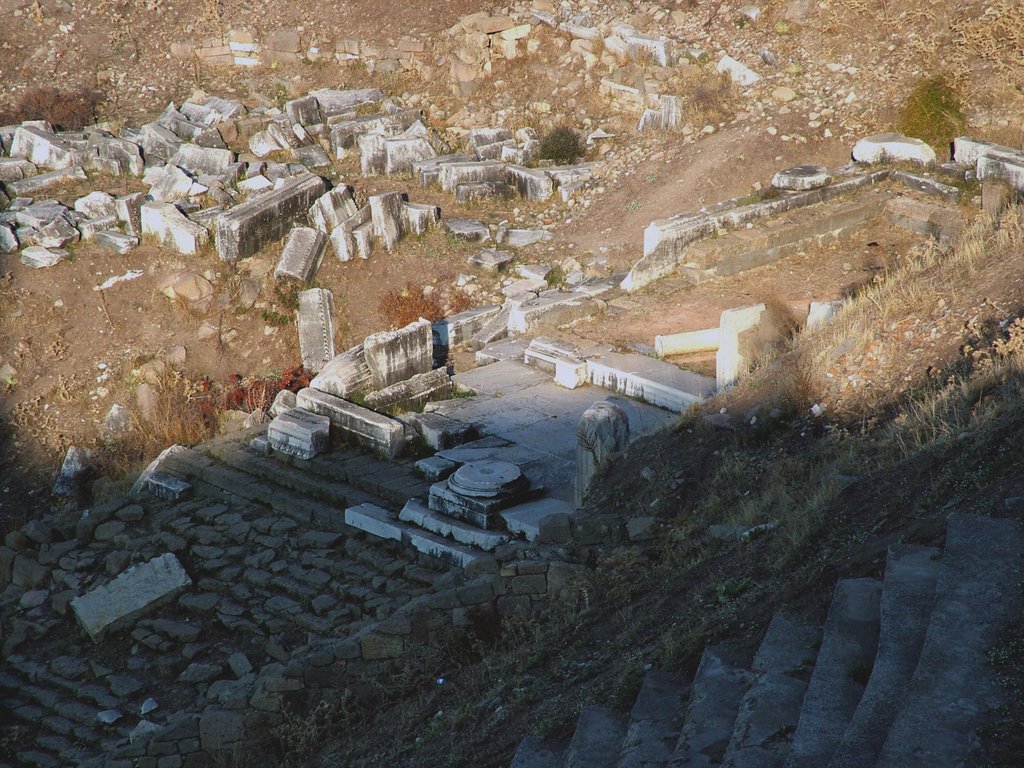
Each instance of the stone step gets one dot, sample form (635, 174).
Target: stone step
(419, 514)
(715, 696)
(841, 672)
(378, 522)
(648, 379)
(654, 722)
(393, 481)
(533, 752)
(294, 478)
(977, 593)
(770, 709)
(597, 739)
(908, 594)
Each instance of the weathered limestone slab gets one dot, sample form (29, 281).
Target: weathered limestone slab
(371, 154)
(401, 152)
(418, 218)
(479, 138)
(429, 171)
(172, 228)
(1008, 169)
(38, 257)
(460, 328)
(738, 72)
(440, 432)
(650, 380)
(373, 430)
(135, 592)
(35, 184)
(346, 240)
(552, 308)
(43, 148)
(491, 259)
(300, 433)
(164, 485)
(337, 102)
(520, 238)
(660, 49)
(344, 135)
(8, 240)
(15, 168)
(126, 154)
(731, 361)
(413, 393)
(169, 184)
(57, 233)
(96, 204)
(451, 175)
(158, 141)
(304, 111)
(115, 241)
(347, 375)
(560, 358)
(203, 160)
(302, 254)
(532, 184)
(246, 228)
(544, 521)
(927, 184)
(394, 356)
(332, 208)
(468, 230)
(315, 319)
(386, 214)
(893, 147)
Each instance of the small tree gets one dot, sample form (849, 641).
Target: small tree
(562, 145)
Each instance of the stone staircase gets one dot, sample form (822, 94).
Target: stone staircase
(896, 677)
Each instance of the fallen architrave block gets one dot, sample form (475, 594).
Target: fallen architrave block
(380, 433)
(300, 433)
(315, 319)
(246, 228)
(135, 592)
(303, 251)
(173, 228)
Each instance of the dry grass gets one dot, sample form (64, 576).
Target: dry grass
(66, 110)
(708, 97)
(399, 307)
(994, 38)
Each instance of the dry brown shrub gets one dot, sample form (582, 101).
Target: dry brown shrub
(65, 110)
(399, 307)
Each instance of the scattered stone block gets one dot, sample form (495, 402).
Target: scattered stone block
(802, 177)
(531, 184)
(246, 228)
(435, 468)
(43, 148)
(299, 433)
(170, 184)
(460, 328)
(129, 212)
(520, 238)
(332, 208)
(158, 142)
(660, 49)
(338, 102)
(402, 152)
(730, 360)
(373, 430)
(386, 215)
(304, 111)
(552, 308)
(8, 240)
(353, 237)
(56, 234)
(418, 218)
(172, 228)
(738, 72)
(302, 254)
(115, 241)
(491, 259)
(312, 156)
(544, 521)
(440, 432)
(821, 313)
(602, 435)
(164, 485)
(559, 358)
(893, 148)
(373, 520)
(429, 171)
(38, 257)
(451, 175)
(468, 230)
(35, 184)
(96, 205)
(136, 592)
(315, 319)
(413, 393)
(394, 356)
(483, 190)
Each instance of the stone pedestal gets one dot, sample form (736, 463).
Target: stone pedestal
(601, 436)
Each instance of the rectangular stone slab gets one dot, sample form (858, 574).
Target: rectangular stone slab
(246, 228)
(134, 593)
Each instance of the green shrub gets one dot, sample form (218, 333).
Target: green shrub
(562, 145)
(932, 112)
